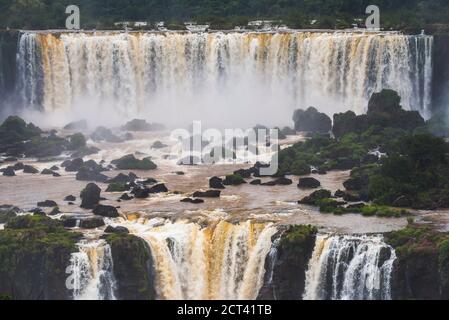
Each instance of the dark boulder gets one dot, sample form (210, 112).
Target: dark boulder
(194, 201)
(256, 182)
(308, 183)
(89, 174)
(159, 188)
(314, 197)
(47, 204)
(105, 134)
(233, 180)
(125, 197)
(30, 169)
(353, 184)
(216, 183)
(18, 166)
(158, 145)
(312, 121)
(137, 125)
(90, 196)
(140, 192)
(118, 187)
(129, 162)
(9, 172)
(54, 211)
(47, 172)
(91, 223)
(351, 197)
(287, 131)
(148, 181)
(70, 198)
(207, 194)
(106, 211)
(73, 165)
(123, 178)
(117, 230)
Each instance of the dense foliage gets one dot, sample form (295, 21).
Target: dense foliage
(297, 13)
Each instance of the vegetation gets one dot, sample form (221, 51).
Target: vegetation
(34, 254)
(223, 14)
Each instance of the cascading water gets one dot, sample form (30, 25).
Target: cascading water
(350, 268)
(221, 75)
(91, 272)
(224, 261)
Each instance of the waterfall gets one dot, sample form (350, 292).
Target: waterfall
(135, 74)
(224, 261)
(91, 272)
(350, 268)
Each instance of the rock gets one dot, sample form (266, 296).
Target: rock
(158, 145)
(47, 172)
(351, 197)
(353, 184)
(54, 168)
(91, 223)
(30, 169)
(244, 173)
(77, 125)
(76, 141)
(9, 172)
(105, 134)
(179, 173)
(10, 159)
(129, 162)
(47, 204)
(403, 202)
(271, 183)
(89, 174)
(159, 188)
(312, 121)
(140, 192)
(123, 178)
(148, 181)
(54, 211)
(313, 198)
(126, 197)
(256, 182)
(106, 211)
(118, 187)
(282, 181)
(37, 212)
(194, 201)
(133, 267)
(18, 166)
(137, 125)
(348, 122)
(70, 198)
(339, 194)
(207, 194)
(73, 165)
(7, 212)
(308, 183)
(85, 151)
(118, 230)
(216, 183)
(287, 131)
(90, 196)
(233, 180)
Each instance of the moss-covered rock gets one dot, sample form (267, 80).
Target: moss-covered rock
(289, 267)
(312, 121)
(129, 162)
(34, 254)
(421, 270)
(133, 267)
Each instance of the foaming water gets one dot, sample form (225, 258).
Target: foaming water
(350, 268)
(223, 78)
(220, 261)
(91, 269)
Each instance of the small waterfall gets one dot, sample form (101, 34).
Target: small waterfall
(350, 268)
(143, 73)
(91, 272)
(224, 261)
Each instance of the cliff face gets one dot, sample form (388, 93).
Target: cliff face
(440, 81)
(133, 267)
(8, 49)
(421, 271)
(286, 270)
(34, 254)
